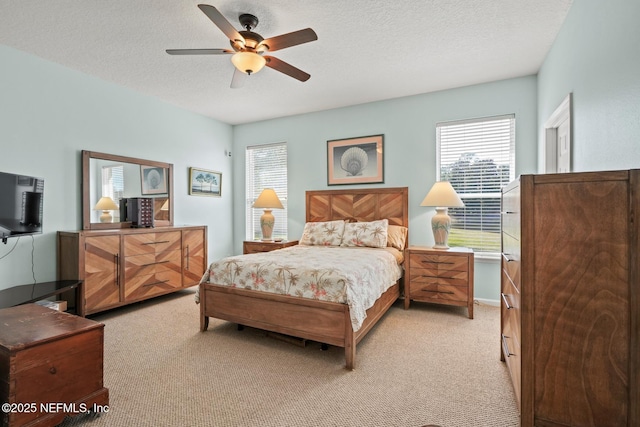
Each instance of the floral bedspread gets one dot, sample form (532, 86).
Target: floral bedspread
(356, 276)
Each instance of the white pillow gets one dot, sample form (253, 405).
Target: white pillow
(372, 234)
(328, 233)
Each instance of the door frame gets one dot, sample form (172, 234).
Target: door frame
(550, 147)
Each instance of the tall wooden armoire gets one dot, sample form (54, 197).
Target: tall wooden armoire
(571, 297)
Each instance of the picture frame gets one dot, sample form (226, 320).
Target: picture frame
(203, 182)
(153, 180)
(355, 160)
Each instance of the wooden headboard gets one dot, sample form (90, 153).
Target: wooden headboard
(361, 204)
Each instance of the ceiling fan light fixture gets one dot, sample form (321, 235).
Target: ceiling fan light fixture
(248, 62)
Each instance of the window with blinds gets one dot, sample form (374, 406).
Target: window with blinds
(478, 157)
(113, 186)
(266, 167)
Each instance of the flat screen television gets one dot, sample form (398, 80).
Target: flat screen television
(21, 201)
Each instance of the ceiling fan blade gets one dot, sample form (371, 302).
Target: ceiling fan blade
(221, 22)
(238, 78)
(198, 51)
(288, 69)
(289, 39)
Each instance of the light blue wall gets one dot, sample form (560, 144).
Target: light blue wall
(408, 125)
(596, 56)
(49, 113)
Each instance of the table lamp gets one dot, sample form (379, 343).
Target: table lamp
(105, 204)
(267, 200)
(442, 196)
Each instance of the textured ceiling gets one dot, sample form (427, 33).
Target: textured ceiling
(366, 50)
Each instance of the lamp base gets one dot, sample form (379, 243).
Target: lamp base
(267, 221)
(106, 217)
(440, 225)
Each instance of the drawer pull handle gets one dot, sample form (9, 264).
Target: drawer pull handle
(188, 257)
(508, 257)
(506, 301)
(436, 292)
(154, 263)
(116, 261)
(505, 346)
(159, 282)
(155, 243)
(52, 370)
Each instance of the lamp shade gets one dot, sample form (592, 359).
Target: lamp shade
(442, 194)
(268, 199)
(106, 204)
(248, 62)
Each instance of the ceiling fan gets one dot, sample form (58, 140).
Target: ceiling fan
(249, 48)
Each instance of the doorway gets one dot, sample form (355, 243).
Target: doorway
(557, 144)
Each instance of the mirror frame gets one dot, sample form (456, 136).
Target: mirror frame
(86, 196)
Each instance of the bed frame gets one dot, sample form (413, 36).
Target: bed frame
(321, 321)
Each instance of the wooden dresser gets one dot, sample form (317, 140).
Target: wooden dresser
(571, 296)
(439, 276)
(122, 266)
(51, 365)
(255, 246)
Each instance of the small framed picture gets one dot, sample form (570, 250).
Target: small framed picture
(355, 160)
(203, 182)
(154, 180)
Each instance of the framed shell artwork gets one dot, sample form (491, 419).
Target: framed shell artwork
(355, 160)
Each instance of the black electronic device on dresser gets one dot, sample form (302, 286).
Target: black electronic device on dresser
(138, 210)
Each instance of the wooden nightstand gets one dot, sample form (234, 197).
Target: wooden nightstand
(255, 246)
(439, 276)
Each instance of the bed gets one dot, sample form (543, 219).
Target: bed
(323, 321)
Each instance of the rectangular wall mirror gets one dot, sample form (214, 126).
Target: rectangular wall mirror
(108, 178)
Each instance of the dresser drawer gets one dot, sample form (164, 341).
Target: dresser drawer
(511, 269)
(152, 263)
(511, 201)
(511, 224)
(144, 286)
(510, 306)
(511, 351)
(149, 243)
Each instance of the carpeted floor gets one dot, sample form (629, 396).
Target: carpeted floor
(427, 365)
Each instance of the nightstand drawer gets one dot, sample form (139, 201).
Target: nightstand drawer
(437, 292)
(455, 278)
(439, 263)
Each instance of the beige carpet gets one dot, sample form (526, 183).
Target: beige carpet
(427, 365)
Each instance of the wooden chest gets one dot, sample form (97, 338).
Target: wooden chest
(51, 366)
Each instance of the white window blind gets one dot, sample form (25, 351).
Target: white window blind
(113, 185)
(266, 167)
(478, 157)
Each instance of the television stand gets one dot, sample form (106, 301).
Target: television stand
(24, 294)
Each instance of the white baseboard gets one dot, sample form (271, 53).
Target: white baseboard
(493, 302)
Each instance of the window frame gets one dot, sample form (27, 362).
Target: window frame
(479, 131)
(278, 181)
